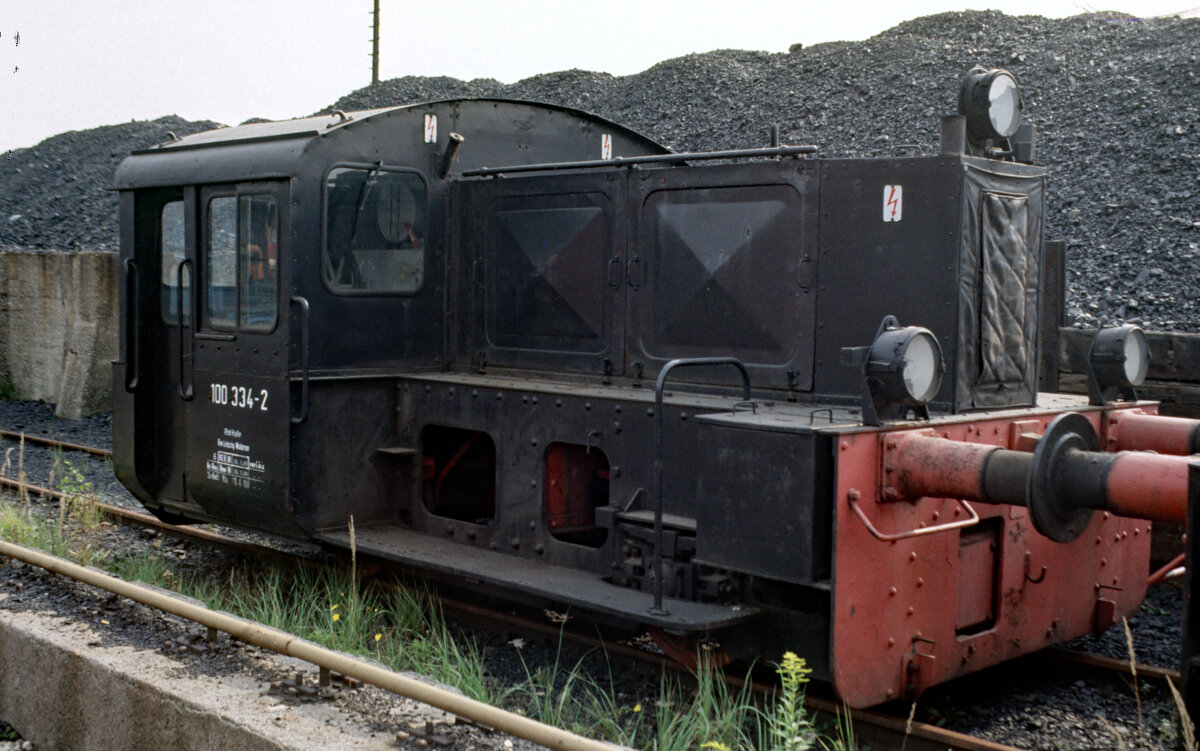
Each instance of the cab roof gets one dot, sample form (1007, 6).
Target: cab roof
(499, 129)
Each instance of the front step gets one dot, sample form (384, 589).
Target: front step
(556, 583)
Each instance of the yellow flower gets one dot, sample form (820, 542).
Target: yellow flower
(334, 607)
(378, 637)
(637, 707)
(336, 617)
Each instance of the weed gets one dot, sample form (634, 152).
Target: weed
(788, 722)
(1186, 726)
(709, 715)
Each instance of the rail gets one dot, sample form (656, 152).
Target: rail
(629, 161)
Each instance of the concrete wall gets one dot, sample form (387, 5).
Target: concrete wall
(58, 328)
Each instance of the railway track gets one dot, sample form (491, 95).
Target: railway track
(873, 728)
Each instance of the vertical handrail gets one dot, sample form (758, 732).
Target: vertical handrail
(132, 316)
(186, 390)
(658, 454)
(303, 303)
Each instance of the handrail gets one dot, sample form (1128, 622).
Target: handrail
(303, 303)
(919, 531)
(658, 453)
(187, 393)
(132, 316)
(624, 161)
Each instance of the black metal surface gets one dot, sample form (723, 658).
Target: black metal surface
(1189, 658)
(928, 269)
(552, 583)
(1058, 480)
(1053, 314)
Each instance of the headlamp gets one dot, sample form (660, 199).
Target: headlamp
(1119, 360)
(991, 103)
(902, 369)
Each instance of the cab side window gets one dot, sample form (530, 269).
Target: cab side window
(241, 263)
(374, 231)
(171, 253)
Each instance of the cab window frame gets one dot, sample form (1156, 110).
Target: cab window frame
(169, 289)
(238, 193)
(423, 212)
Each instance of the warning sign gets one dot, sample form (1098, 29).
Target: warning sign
(606, 146)
(893, 203)
(430, 128)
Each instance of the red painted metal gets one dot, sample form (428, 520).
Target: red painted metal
(571, 471)
(1148, 486)
(922, 464)
(1140, 431)
(1011, 590)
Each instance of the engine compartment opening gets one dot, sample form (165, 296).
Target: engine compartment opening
(575, 485)
(458, 472)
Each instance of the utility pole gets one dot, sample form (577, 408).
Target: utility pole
(375, 47)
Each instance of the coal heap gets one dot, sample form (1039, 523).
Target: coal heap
(1116, 101)
(55, 195)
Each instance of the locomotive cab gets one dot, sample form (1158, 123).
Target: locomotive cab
(530, 352)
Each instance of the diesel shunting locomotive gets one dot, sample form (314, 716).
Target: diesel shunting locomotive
(782, 401)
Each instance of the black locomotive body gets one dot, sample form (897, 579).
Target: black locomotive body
(446, 321)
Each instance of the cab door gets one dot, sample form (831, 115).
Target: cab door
(235, 382)
(149, 422)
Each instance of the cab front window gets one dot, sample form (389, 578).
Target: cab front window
(374, 231)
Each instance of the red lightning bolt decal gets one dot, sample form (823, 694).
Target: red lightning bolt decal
(892, 202)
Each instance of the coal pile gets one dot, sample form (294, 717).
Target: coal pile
(1116, 101)
(55, 195)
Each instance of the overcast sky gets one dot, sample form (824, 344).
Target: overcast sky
(83, 63)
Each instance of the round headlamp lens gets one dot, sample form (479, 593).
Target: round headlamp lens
(991, 102)
(1137, 357)
(922, 367)
(1004, 104)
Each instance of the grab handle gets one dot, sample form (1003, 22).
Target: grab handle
(303, 304)
(893, 536)
(658, 455)
(186, 392)
(133, 324)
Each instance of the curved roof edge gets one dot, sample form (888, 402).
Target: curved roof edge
(321, 125)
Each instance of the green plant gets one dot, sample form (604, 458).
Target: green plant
(708, 717)
(788, 722)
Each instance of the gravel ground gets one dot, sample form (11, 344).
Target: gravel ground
(1116, 101)
(1029, 703)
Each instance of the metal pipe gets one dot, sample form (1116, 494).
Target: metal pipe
(925, 465)
(1139, 431)
(1165, 572)
(1059, 479)
(293, 646)
(625, 161)
(1143, 485)
(453, 144)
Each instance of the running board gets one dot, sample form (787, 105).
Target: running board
(528, 577)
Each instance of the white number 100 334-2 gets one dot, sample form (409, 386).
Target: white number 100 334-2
(239, 396)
